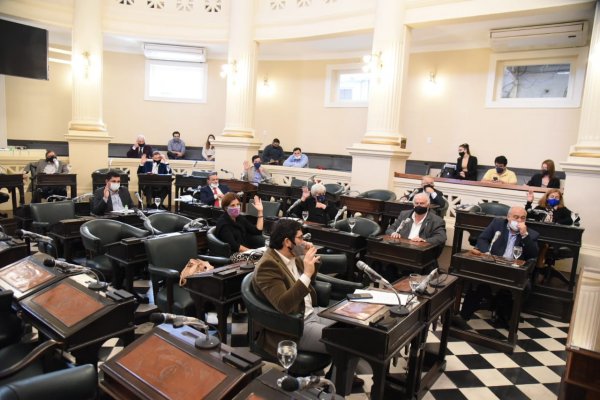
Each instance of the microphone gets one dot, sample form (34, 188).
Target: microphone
(399, 310)
(195, 163)
(406, 221)
(197, 223)
(296, 203)
(312, 178)
(145, 218)
(81, 197)
(22, 233)
(496, 236)
(544, 213)
(110, 162)
(410, 196)
(228, 172)
(291, 384)
(339, 214)
(58, 197)
(306, 236)
(422, 288)
(61, 265)
(210, 342)
(139, 199)
(67, 268)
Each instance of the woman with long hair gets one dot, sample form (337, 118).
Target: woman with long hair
(208, 151)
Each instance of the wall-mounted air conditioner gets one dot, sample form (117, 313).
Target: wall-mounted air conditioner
(169, 52)
(555, 36)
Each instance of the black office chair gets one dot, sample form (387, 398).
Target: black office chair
(167, 255)
(489, 208)
(270, 209)
(166, 222)
(11, 326)
(378, 194)
(216, 247)
(295, 182)
(46, 214)
(441, 211)
(364, 227)
(96, 235)
(77, 383)
(262, 314)
(3, 199)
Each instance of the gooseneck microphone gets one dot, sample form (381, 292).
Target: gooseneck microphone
(406, 221)
(22, 234)
(69, 268)
(291, 384)
(209, 342)
(196, 223)
(496, 236)
(422, 288)
(339, 214)
(228, 172)
(139, 199)
(296, 203)
(399, 310)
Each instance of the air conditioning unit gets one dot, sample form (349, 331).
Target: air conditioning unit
(169, 52)
(555, 36)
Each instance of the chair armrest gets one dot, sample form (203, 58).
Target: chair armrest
(339, 287)
(287, 324)
(40, 226)
(215, 261)
(33, 355)
(6, 297)
(323, 290)
(166, 273)
(132, 231)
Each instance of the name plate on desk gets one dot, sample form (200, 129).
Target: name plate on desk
(27, 276)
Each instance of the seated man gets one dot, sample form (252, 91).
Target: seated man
(158, 165)
(50, 165)
(176, 146)
(273, 154)
(255, 173)
(513, 232)
(297, 159)
(500, 174)
(112, 197)
(139, 148)
(283, 277)
(427, 186)
(212, 193)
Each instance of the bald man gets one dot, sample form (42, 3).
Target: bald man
(427, 186)
(419, 224)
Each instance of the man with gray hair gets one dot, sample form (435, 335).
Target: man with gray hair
(140, 148)
(213, 192)
(315, 202)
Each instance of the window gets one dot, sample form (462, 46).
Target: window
(346, 86)
(540, 79)
(176, 81)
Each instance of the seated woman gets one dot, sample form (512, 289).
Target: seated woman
(315, 202)
(466, 164)
(546, 178)
(235, 229)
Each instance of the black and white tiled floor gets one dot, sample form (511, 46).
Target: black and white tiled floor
(533, 371)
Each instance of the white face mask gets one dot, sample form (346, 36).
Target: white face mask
(214, 185)
(298, 157)
(514, 226)
(115, 186)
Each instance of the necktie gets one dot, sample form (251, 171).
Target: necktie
(217, 202)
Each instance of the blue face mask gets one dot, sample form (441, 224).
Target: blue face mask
(321, 198)
(552, 202)
(257, 165)
(499, 170)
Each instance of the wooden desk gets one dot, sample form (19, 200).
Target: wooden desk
(80, 319)
(218, 288)
(278, 192)
(500, 274)
(197, 210)
(182, 182)
(236, 185)
(156, 180)
(53, 180)
(13, 182)
(128, 254)
(12, 250)
(164, 364)
(418, 257)
(66, 232)
(372, 207)
(28, 276)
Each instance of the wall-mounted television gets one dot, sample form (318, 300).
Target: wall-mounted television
(23, 50)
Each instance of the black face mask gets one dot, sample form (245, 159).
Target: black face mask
(420, 210)
(544, 172)
(50, 159)
(461, 153)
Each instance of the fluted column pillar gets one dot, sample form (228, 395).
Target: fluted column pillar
(87, 133)
(382, 147)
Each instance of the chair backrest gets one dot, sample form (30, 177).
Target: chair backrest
(270, 208)
(364, 227)
(417, 168)
(97, 233)
(166, 222)
(300, 182)
(53, 212)
(379, 194)
(444, 209)
(216, 247)
(493, 208)
(334, 188)
(171, 251)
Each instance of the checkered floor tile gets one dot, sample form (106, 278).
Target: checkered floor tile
(533, 371)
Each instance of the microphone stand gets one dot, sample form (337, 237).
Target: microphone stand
(400, 310)
(209, 342)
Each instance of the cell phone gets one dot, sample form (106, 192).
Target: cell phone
(359, 296)
(495, 178)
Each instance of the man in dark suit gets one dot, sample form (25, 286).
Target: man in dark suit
(419, 224)
(212, 193)
(139, 148)
(510, 231)
(50, 165)
(112, 197)
(427, 186)
(283, 277)
(158, 165)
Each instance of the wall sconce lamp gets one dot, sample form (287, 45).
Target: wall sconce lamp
(229, 69)
(87, 64)
(432, 75)
(267, 88)
(372, 62)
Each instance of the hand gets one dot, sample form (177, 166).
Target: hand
(305, 193)
(429, 189)
(246, 164)
(258, 204)
(395, 235)
(530, 196)
(417, 239)
(320, 205)
(107, 191)
(310, 258)
(462, 174)
(135, 146)
(144, 159)
(475, 251)
(163, 159)
(522, 228)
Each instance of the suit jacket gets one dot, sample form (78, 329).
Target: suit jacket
(146, 168)
(41, 164)
(235, 233)
(208, 197)
(439, 199)
(100, 207)
(137, 153)
(560, 215)
(250, 174)
(529, 243)
(471, 173)
(318, 215)
(536, 180)
(433, 228)
(274, 282)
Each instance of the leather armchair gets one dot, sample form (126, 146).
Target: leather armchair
(379, 194)
(167, 255)
(46, 214)
(77, 383)
(98, 233)
(166, 223)
(261, 313)
(216, 247)
(270, 209)
(11, 326)
(490, 208)
(364, 226)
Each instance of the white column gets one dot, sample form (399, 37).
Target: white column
(238, 142)
(585, 322)
(582, 185)
(382, 147)
(87, 133)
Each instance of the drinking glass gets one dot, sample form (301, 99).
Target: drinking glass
(351, 224)
(414, 280)
(157, 202)
(517, 251)
(304, 216)
(286, 353)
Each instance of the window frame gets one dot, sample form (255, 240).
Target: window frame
(204, 71)
(332, 86)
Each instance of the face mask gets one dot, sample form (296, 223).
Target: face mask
(552, 202)
(461, 153)
(544, 172)
(114, 186)
(321, 198)
(297, 250)
(50, 159)
(420, 210)
(514, 226)
(257, 165)
(176, 139)
(214, 185)
(499, 170)
(297, 157)
(233, 211)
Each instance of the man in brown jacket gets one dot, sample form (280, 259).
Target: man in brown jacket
(284, 277)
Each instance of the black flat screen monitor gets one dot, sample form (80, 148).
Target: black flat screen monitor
(23, 50)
